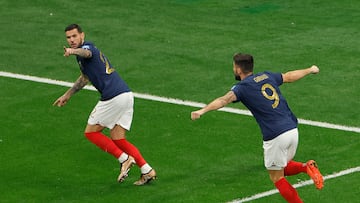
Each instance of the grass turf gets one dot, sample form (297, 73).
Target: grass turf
(179, 49)
(48, 159)
(155, 45)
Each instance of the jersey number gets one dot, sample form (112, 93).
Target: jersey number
(273, 97)
(109, 69)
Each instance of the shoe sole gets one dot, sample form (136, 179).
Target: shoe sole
(316, 175)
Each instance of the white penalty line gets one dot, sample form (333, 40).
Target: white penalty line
(176, 101)
(298, 185)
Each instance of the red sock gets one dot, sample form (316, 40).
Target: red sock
(130, 150)
(104, 143)
(287, 191)
(294, 168)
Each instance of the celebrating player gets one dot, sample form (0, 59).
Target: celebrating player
(260, 93)
(113, 111)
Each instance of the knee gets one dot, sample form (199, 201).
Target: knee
(275, 179)
(118, 133)
(275, 176)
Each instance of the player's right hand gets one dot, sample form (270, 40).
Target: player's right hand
(68, 51)
(195, 115)
(61, 101)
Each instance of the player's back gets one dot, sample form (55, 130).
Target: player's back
(260, 93)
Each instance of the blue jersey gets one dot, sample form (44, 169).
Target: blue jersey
(260, 93)
(101, 73)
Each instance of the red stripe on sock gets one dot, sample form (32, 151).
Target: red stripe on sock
(130, 150)
(294, 168)
(288, 192)
(104, 143)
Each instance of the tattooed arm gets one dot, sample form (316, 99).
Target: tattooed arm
(78, 85)
(79, 51)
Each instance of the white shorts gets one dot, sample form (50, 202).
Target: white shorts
(116, 111)
(280, 150)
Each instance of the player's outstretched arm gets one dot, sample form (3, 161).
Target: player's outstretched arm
(214, 105)
(78, 51)
(78, 85)
(295, 75)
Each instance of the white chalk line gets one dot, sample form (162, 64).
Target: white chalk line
(199, 105)
(298, 185)
(177, 101)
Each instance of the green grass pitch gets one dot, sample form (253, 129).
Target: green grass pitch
(179, 49)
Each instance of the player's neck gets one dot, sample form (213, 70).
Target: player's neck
(243, 76)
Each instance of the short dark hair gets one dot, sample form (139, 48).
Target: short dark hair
(73, 26)
(244, 61)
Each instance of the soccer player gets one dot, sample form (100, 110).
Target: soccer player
(115, 108)
(260, 93)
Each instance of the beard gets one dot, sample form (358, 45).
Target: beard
(237, 77)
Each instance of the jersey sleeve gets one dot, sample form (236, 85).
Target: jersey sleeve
(236, 90)
(277, 77)
(86, 46)
(89, 46)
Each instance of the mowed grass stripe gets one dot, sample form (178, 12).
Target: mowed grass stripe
(177, 101)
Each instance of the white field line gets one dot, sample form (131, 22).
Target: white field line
(298, 185)
(176, 101)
